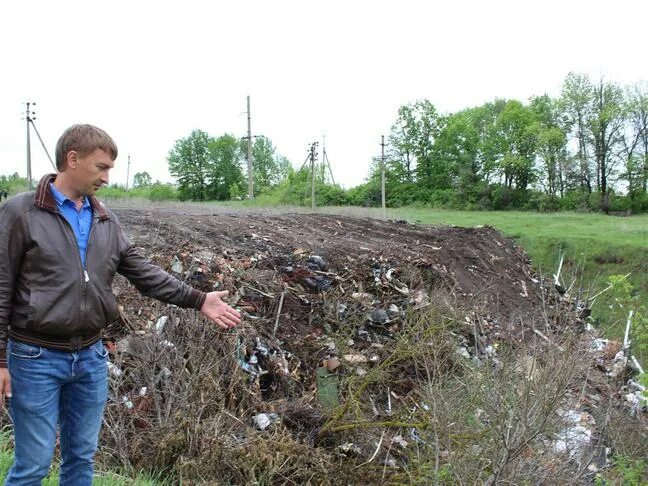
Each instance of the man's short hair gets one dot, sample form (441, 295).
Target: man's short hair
(83, 139)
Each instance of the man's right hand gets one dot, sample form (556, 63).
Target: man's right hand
(5, 385)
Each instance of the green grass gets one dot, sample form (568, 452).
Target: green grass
(101, 478)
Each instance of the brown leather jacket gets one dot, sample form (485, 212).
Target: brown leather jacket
(46, 297)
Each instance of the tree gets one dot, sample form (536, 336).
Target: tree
(606, 127)
(401, 144)
(225, 176)
(511, 143)
(635, 141)
(270, 168)
(190, 162)
(411, 145)
(142, 179)
(13, 183)
(575, 104)
(551, 146)
(459, 145)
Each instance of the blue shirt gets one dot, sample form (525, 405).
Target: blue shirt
(80, 220)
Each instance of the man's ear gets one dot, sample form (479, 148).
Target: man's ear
(72, 159)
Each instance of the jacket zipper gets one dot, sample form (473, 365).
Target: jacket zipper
(85, 278)
(85, 271)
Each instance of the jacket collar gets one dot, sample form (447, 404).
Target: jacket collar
(44, 199)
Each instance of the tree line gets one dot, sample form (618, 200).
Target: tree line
(578, 150)
(587, 148)
(584, 149)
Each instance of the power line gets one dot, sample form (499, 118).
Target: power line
(325, 160)
(29, 118)
(43, 145)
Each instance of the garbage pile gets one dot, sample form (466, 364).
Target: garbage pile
(326, 302)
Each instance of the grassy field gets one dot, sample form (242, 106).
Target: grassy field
(101, 478)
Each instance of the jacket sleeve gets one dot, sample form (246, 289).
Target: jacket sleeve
(12, 248)
(151, 280)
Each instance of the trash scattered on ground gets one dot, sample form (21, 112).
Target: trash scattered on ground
(264, 420)
(324, 310)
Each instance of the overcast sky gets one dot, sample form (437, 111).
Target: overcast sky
(150, 72)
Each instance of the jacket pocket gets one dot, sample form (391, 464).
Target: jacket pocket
(22, 350)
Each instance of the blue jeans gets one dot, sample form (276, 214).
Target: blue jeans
(52, 387)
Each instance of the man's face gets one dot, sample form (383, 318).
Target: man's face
(89, 172)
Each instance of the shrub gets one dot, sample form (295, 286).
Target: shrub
(162, 192)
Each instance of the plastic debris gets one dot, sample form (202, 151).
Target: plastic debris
(349, 448)
(114, 370)
(176, 265)
(161, 322)
(327, 389)
(355, 358)
(127, 402)
(379, 316)
(576, 435)
(316, 262)
(264, 420)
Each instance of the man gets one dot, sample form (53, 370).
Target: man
(59, 251)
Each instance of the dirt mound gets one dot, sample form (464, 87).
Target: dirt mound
(362, 340)
(478, 266)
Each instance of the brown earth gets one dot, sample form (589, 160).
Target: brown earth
(478, 267)
(315, 291)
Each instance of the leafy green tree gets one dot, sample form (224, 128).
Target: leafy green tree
(490, 140)
(190, 163)
(575, 104)
(270, 168)
(606, 127)
(142, 179)
(635, 140)
(551, 146)
(225, 176)
(411, 145)
(13, 183)
(459, 145)
(511, 144)
(401, 144)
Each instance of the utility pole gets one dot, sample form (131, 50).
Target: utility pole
(28, 115)
(382, 175)
(127, 172)
(312, 160)
(249, 153)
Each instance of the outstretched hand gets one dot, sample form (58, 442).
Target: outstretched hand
(219, 312)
